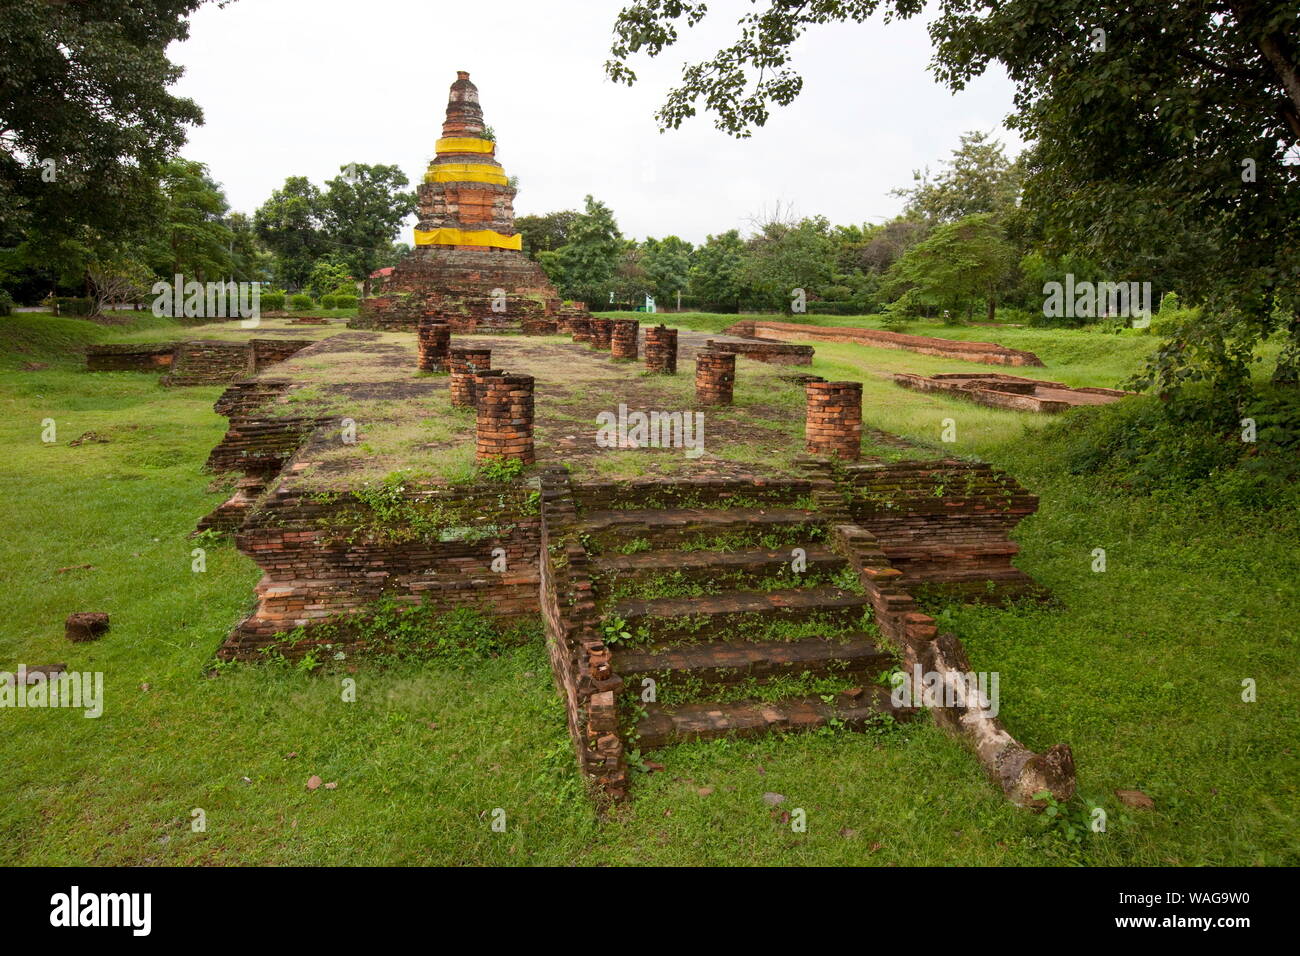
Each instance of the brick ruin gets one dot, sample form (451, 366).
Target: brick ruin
(715, 378)
(465, 363)
(504, 429)
(834, 419)
(433, 338)
(1009, 391)
(467, 266)
(985, 352)
(198, 362)
(771, 352)
(623, 339)
(661, 350)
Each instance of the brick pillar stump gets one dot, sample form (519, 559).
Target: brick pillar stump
(661, 350)
(715, 375)
(505, 417)
(581, 329)
(834, 424)
(85, 626)
(434, 339)
(465, 364)
(623, 338)
(601, 329)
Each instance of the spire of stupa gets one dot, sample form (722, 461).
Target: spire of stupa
(466, 200)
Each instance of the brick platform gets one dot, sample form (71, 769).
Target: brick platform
(834, 422)
(623, 339)
(505, 417)
(465, 364)
(771, 353)
(715, 376)
(661, 350)
(434, 341)
(987, 352)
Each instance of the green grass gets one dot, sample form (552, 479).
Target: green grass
(1139, 669)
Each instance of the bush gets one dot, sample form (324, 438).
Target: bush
(345, 301)
(1192, 441)
(65, 305)
(6, 302)
(271, 301)
(300, 301)
(327, 301)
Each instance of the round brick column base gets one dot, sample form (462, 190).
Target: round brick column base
(505, 417)
(715, 377)
(433, 338)
(661, 350)
(833, 426)
(601, 329)
(623, 339)
(465, 363)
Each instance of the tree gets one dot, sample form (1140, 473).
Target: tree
(545, 233)
(290, 224)
(1192, 106)
(191, 237)
(588, 260)
(86, 118)
(978, 178)
(667, 265)
(716, 274)
(363, 210)
(959, 265)
(783, 258)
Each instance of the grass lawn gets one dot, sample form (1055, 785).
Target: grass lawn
(1138, 668)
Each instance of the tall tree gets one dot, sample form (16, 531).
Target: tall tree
(716, 277)
(960, 265)
(589, 259)
(667, 265)
(291, 225)
(978, 178)
(191, 237)
(545, 233)
(363, 210)
(782, 259)
(86, 117)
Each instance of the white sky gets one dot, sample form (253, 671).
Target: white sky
(303, 87)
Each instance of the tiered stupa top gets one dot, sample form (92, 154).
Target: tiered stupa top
(466, 200)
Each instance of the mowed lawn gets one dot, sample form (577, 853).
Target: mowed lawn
(1139, 668)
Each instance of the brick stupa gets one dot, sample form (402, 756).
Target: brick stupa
(466, 246)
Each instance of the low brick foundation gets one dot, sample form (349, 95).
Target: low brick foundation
(434, 342)
(623, 339)
(216, 363)
(987, 352)
(260, 445)
(715, 376)
(243, 397)
(771, 353)
(129, 358)
(505, 417)
(1009, 391)
(834, 419)
(532, 326)
(661, 350)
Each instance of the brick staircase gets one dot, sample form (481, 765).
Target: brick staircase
(701, 603)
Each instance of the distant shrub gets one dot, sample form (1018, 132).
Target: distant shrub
(300, 301)
(345, 301)
(327, 301)
(66, 305)
(6, 302)
(271, 301)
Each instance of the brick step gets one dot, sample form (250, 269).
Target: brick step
(945, 551)
(653, 493)
(728, 662)
(670, 618)
(668, 527)
(663, 726)
(965, 575)
(705, 565)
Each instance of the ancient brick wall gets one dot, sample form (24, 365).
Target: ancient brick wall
(129, 358)
(244, 396)
(580, 660)
(318, 563)
(945, 523)
(261, 445)
(215, 363)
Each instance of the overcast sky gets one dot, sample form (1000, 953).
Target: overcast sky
(303, 87)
